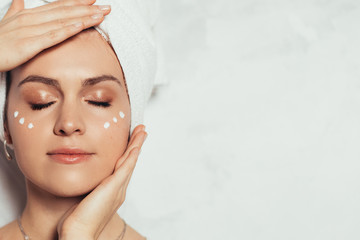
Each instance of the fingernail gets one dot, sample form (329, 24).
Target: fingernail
(105, 8)
(97, 16)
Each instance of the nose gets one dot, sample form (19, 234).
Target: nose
(69, 122)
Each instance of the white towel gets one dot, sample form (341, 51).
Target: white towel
(129, 27)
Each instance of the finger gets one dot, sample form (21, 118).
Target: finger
(124, 188)
(38, 43)
(16, 6)
(138, 140)
(70, 12)
(132, 161)
(134, 135)
(63, 3)
(127, 181)
(129, 170)
(132, 171)
(136, 131)
(37, 30)
(137, 143)
(61, 13)
(127, 167)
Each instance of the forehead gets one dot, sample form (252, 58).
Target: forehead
(83, 56)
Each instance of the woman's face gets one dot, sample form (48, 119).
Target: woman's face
(69, 115)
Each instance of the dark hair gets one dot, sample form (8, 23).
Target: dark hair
(8, 82)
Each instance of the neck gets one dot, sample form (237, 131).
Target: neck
(43, 212)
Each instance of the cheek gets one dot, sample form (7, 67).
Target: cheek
(24, 129)
(115, 119)
(111, 132)
(27, 134)
(28, 138)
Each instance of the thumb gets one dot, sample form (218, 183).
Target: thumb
(16, 6)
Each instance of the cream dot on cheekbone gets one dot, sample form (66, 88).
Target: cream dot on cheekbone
(22, 120)
(115, 119)
(106, 125)
(122, 115)
(30, 126)
(16, 113)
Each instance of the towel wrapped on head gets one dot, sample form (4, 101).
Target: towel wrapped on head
(129, 29)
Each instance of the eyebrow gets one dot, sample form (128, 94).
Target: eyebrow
(55, 83)
(40, 79)
(96, 80)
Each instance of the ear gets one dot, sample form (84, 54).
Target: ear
(7, 135)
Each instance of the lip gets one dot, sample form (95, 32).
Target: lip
(69, 155)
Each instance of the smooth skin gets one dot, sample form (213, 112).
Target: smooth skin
(24, 33)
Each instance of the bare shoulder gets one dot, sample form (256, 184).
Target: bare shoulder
(132, 234)
(9, 231)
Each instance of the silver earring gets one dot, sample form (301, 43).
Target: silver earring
(8, 156)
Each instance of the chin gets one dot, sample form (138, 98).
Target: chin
(67, 186)
(68, 192)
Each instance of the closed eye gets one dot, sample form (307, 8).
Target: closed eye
(100, 104)
(41, 106)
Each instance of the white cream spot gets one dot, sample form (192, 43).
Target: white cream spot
(115, 119)
(22, 120)
(122, 115)
(16, 114)
(30, 126)
(106, 125)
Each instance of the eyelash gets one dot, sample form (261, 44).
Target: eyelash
(38, 107)
(100, 104)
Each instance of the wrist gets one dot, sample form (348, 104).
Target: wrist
(73, 233)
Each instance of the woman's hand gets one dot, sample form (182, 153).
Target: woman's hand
(87, 219)
(26, 32)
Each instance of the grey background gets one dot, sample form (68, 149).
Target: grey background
(256, 135)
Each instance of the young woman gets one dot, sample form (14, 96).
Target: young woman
(68, 119)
